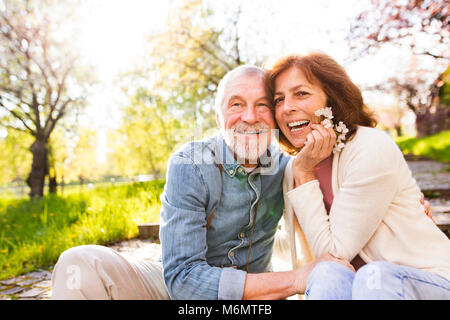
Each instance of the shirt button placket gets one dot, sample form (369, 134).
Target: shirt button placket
(231, 257)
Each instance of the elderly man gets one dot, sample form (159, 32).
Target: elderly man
(221, 206)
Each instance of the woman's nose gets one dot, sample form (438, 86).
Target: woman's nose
(288, 105)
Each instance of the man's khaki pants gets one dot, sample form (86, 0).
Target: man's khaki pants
(100, 273)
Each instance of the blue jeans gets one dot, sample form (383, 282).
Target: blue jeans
(378, 280)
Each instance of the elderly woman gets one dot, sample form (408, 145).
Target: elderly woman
(349, 191)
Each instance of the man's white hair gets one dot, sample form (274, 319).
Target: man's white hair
(230, 75)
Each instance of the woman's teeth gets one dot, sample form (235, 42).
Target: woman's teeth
(298, 125)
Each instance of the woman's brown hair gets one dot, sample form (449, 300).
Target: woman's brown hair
(343, 96)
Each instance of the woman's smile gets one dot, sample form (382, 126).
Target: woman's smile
(296, 100)
(297, 126)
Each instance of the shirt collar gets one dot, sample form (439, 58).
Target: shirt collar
(224, 156)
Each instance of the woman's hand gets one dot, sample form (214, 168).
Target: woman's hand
(318, 146)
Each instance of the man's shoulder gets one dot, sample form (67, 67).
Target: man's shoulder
(195, 152)
(193, 167)
(278, 156)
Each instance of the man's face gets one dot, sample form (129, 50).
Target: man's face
(245, 117)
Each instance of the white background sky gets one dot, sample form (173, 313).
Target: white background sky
(113, 35)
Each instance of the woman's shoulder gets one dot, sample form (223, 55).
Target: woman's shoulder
(374, 138)
(368, 133)
(369, 144)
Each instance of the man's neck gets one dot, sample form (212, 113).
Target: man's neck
(249, 167)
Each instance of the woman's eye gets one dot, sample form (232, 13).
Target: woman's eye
(301, 93)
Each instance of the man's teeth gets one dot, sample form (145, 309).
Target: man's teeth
(250, 131)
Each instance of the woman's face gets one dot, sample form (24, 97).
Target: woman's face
(296, 100)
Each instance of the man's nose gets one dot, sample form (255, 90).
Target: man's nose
(249, 115)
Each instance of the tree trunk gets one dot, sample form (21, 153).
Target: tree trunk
(398, 130)
(52, 184)
(62, 184)
(36, 178)
(434, 120)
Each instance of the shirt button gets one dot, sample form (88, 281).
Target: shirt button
(231, 171)
(242, 234)
(231, 253)
(239, 169)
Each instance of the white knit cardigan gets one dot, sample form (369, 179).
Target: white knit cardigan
(376, 211)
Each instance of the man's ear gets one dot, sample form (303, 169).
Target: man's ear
(218, 120)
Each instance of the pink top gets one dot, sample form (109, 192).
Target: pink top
(323, 174)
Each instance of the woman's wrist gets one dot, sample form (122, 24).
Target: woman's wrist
(302, 177)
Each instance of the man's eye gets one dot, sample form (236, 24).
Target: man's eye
(278, 100)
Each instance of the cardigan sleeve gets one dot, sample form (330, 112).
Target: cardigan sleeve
(368, 186)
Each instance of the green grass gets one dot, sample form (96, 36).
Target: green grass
(33, 233)
(435, 147)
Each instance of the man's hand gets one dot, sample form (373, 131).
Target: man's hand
(426, 205)
(329, 257)
(303, 272)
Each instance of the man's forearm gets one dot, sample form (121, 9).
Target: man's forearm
(276, 285)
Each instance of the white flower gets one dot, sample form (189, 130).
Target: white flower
(327, 123)
(319, 112)
(326, 112)
(340, 128)
(338, 147)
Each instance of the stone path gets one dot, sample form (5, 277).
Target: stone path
(430, 174)
(36, 285)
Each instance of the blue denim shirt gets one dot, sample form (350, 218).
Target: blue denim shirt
(209, 264)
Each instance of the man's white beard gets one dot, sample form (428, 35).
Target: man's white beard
(248, 149)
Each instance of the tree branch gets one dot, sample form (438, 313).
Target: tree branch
(51, 122)
(17, 116)
(8, 126)
(207, 50)
(236, 38)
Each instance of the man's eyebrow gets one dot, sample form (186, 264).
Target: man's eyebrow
(236, 96)
(264, 97)
(292, 89)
